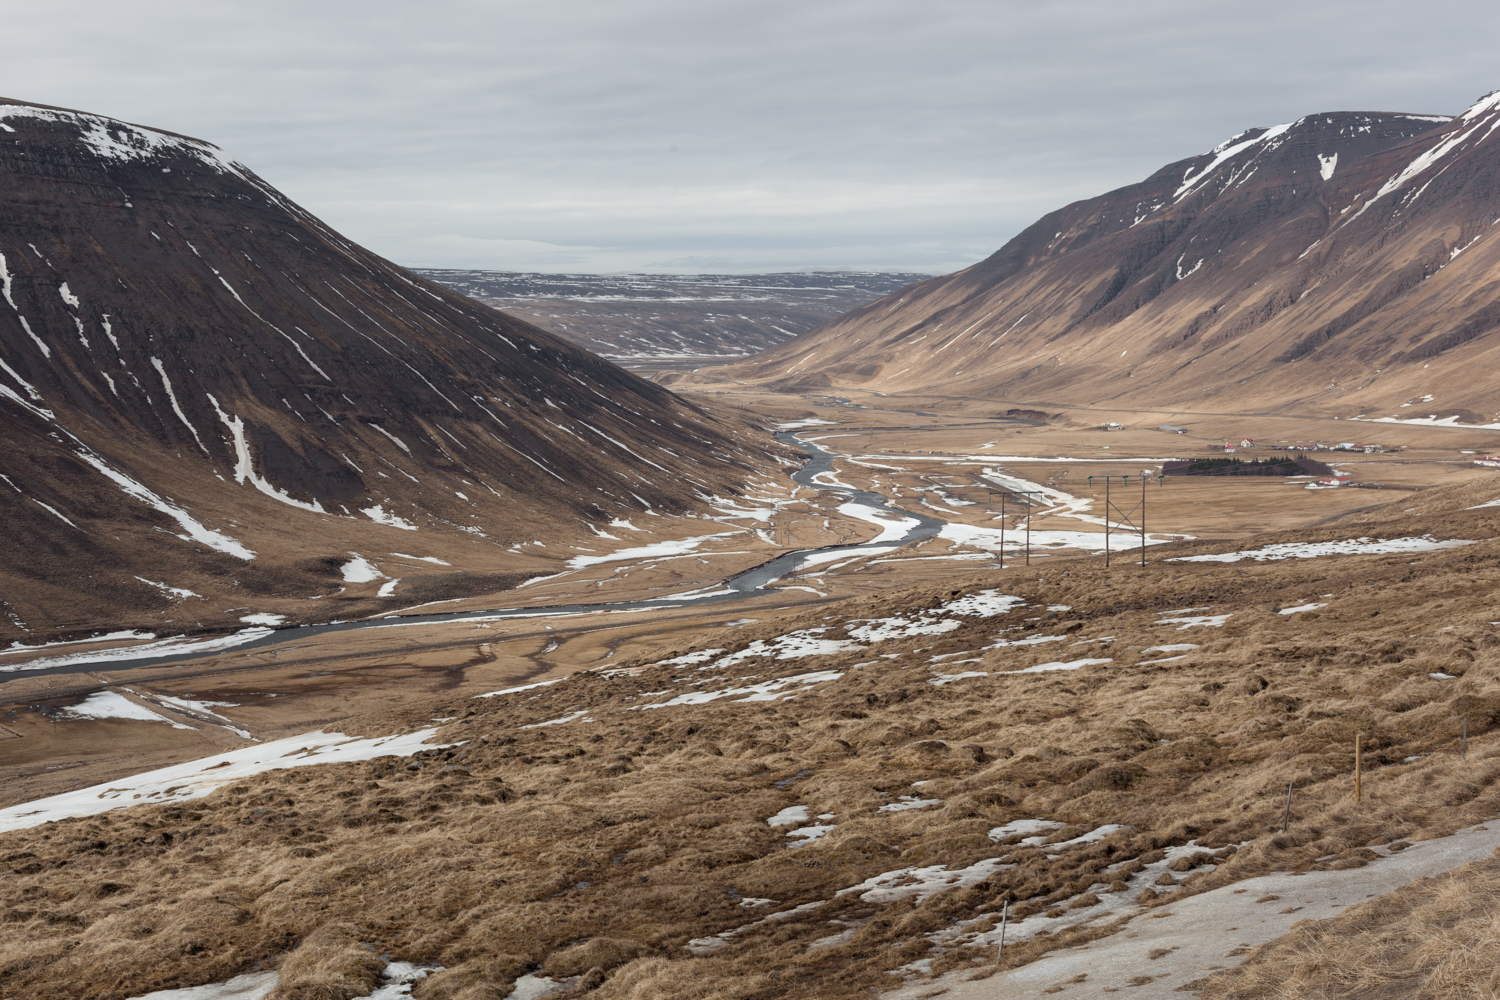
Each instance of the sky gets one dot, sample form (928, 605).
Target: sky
(695, 136)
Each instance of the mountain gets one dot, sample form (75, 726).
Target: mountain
(208, 392)
(663, 317)
(1343, 264)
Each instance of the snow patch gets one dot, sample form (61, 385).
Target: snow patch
(198, 778)
(378, 514)
(113, 705)
(360, 570)
(1342, 547)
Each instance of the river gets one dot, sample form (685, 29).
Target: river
(750, 583)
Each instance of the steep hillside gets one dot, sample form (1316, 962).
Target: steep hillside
(208, 392)
(1343, 264)
(655, 317)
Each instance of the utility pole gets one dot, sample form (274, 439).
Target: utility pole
(1135, 520)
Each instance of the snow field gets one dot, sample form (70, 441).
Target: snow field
(195, 779)
(1342, 547)
(145, 651)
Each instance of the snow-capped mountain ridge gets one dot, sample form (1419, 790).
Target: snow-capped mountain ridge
(202, 382)
(1315, 244)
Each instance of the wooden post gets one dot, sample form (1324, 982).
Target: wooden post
(1358, 754)
(1004, 918)
(1029, 504)
(1002, 530)
(1143, 520)
(1286, 817)
(1106, 522)
(1466, 737)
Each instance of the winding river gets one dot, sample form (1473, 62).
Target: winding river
(747, 584)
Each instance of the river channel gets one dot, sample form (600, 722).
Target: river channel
(747, 584)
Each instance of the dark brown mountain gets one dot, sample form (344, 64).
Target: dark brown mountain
(1342, 264)
(203, 387)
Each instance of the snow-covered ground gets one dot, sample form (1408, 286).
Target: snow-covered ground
(145, 651)
(1341, 547)
(250, 986)
(198, 778)
(1182, 942)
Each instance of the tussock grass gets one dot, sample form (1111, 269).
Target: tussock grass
(599, 849)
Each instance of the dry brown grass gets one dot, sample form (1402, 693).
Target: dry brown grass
(600, 848)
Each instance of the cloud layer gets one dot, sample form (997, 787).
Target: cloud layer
(726, 136)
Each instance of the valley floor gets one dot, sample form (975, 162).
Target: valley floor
(824, 788)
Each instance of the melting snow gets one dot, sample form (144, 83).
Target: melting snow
(1027, 827)
(523, 687)
(1196, 621)
(571, 717)
(250, 986)
(150, 650)
(113, 705)
(195, 531)
(792, 646)
(922, 882)
(1348, 546)
(181, 593)
(379, 516)
(16, 647)
(530, 987)
(360, 570)
(244, 466)
(808, 834)
(1042, 668)
(263, 619)
(399, 978)
(892, 529)
(198, 778)
(771, 690)
(906, 802)
(789, 816)
(672, 547)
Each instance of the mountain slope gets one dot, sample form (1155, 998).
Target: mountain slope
(1340, 263)
(206, 389)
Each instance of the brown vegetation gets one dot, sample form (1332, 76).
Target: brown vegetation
(600, 847)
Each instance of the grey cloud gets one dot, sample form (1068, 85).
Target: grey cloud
(868, 134)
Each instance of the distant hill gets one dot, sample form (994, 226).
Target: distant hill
(656, 317)
(206, 391)
(1344, 263)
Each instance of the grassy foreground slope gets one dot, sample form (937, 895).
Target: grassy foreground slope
(619, 842)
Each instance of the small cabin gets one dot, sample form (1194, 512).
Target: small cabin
(1112, 427)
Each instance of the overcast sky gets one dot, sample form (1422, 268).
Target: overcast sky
(697, 135)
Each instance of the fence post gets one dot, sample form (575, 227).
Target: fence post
(1002, 530)
(1466, 737)
(1106, 522)
(1029, 505)
(1358, 760)
(1287, 816)
(1143, 521)
(1004, 918)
